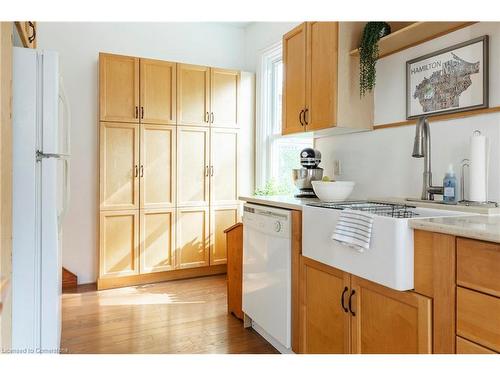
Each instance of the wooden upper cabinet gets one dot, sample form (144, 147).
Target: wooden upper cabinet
(119, 88)
(193, 165)
(294, 80)
(389, 322)
(312, 79)
(119, 166)
(158, 166)
(324, 324)
(321, 76)
(158, 92)
(119, 243)
(193, 95)
(193, 230)
(224, 166)
(27, 33)
(221, 218)
(224, 97)
(157, 240)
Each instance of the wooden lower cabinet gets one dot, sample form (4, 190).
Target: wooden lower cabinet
(221, 218)
(468, 347)
(385, 321)
(478, 318)
(157, 247)
(324, 324)
(192, 227)
(119, 243)
(342, 313)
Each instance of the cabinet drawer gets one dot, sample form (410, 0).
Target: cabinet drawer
(478, 318)
(468, 347)
(478, 265)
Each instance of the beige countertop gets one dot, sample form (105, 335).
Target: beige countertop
(280, 201)
(480, 227)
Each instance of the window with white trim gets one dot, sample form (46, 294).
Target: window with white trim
(276, 155)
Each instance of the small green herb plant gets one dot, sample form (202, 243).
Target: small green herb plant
(273, 187)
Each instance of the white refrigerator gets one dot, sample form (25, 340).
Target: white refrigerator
(41, 149)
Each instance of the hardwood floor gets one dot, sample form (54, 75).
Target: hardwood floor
(184, 316)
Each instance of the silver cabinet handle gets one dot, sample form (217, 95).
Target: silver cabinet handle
(207, 117)
(211, 170)
(212, 117)
(142, 170)
(206, 171)
(136, 170)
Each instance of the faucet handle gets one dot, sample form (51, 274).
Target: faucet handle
(465, 163)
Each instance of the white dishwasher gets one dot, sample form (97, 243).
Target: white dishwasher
(267, 272)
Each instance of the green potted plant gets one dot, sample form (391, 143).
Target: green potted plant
(368, 54)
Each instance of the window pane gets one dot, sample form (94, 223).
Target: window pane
(286, 152)
(277, 74)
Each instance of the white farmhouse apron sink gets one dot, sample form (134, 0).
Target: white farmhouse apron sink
(388, 261)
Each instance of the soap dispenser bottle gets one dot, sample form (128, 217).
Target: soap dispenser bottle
(450, 186)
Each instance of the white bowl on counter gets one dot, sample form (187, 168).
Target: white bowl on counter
(333, 191)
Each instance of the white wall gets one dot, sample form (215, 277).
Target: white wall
(380, 161)
(260, 35)
(79, 44)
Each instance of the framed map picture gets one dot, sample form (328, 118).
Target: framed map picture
(453, 79)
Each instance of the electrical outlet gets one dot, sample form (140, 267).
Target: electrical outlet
(337, 168)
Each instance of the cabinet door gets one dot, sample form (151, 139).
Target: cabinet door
(294, 79)
(224, 97)
(158, 92)
(119, 243)
(157, 170)
(324, 324)
(321, 76)
(388, 321)
(118, 88)
(119, 166)
(193, 229)
(193, 90)
(221, 218)
(224, 166)
(192, 166)
(157, 240)
(27, 33)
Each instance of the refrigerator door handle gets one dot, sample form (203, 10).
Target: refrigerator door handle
(65, 203)
(66, 116)
(41, 155)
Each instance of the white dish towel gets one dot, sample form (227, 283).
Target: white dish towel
(354, 229)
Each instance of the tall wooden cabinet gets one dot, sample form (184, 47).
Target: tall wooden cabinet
(321, 80)
(168, 168)
(341, 313)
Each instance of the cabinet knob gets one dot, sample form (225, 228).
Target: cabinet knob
(32, 37)
(350, 303)
(342, 299)
(300, 117)
(277, 226)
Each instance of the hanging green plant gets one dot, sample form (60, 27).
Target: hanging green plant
(368, 54)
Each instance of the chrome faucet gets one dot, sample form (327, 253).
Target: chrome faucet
(422, 148)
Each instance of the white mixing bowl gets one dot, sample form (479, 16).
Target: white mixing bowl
(333, 191)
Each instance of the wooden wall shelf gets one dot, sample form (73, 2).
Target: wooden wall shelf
(443, 117)
(414, 34)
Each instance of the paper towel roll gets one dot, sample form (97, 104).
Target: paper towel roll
(478, 168)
